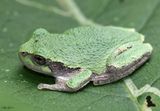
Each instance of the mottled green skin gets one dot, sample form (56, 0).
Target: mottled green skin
(93, 48)
(86, 47)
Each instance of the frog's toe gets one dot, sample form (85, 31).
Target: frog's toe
(42, 86)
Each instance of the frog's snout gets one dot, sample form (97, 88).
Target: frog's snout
(22, 55)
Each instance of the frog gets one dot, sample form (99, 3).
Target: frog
(84, 54)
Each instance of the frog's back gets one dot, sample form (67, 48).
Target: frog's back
(87, 47)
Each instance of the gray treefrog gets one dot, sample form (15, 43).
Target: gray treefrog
(101, 54)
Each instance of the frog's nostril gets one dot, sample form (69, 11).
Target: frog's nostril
(39, 60)
(24, 53)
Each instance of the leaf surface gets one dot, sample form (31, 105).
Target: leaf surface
(18, 85)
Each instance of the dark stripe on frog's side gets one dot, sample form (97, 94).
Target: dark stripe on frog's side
(59, 69)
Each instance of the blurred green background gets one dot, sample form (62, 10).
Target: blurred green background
(18, 85)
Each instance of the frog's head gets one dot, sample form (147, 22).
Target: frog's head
(33, 53)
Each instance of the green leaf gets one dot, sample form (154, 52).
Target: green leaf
(18, 85)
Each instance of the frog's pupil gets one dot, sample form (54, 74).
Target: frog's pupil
(39, 60)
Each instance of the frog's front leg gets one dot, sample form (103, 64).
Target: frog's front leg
(70, 83)
(60, 85)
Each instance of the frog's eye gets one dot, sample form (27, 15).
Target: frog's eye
(39, 60)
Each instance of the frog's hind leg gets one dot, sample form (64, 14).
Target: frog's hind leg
(124, 64)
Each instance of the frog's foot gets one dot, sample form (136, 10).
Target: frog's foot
(124, 64)
(57, 86)
(70, 83)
